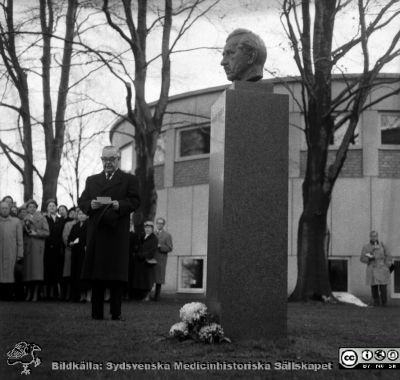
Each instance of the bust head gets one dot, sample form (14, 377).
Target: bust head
(244, 56)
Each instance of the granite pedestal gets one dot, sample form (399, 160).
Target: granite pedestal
(248, 212)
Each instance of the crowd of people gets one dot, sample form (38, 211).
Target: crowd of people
(42, 254)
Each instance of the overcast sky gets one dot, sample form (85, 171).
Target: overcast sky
(201, 69)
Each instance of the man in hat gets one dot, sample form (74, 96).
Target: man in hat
(108, 199)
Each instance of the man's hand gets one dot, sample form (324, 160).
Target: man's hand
(115, 205)
(95, 204)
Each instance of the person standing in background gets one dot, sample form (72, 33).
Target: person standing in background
(66, 281)
(36, 230)
(145, 262)
(378, 261)
(77, 243)
(164, 247)
(53, 252)
(11, 250)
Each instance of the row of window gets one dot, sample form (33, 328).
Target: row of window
(389, 125)
(191, 275)
(338, 276)
(191, 142)
(195, 141)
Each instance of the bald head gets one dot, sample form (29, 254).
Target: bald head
(110, 151)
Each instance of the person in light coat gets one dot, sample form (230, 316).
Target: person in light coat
(377, 257)
(36, 230)
(11, 249)
(164, 247)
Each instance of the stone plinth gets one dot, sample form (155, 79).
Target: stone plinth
(248, 212)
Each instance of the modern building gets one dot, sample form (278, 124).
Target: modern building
(366, 195)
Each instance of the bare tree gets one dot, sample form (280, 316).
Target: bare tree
(53, 125)
(21, 44)
(148, 121)
(316, 58)
(54, 128)
(79, 138)
(18, 76)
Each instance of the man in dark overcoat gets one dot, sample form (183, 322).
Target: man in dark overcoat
(108, 199)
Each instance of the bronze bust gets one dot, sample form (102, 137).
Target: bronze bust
(244, 56)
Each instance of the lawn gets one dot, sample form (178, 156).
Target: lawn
(65, 332)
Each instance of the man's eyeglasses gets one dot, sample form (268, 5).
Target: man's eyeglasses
(109, 159)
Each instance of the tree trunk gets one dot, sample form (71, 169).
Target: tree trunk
(27, 180)
(148, 194)
(312, 248)
(27, 147)
(55, 141)
(50, 180)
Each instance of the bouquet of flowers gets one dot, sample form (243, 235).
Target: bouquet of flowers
(179, 330)
(212, 333)
(193, 312)
(197, 324)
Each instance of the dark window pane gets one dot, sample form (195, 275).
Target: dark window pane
(338, 275)
(397, 276)
(192, 273)
(194, 142)
(390, 136)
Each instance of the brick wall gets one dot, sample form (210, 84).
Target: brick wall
(191, 172)
(389, 163)
(159, 176)
(352, 167)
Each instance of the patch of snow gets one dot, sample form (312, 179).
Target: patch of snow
(349, 298)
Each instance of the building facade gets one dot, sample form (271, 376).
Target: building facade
(366, 195)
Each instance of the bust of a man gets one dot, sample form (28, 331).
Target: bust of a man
(244, 56)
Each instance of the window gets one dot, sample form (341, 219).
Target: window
(338, 275)
(194, 141)
(390, 128)
(159, 155)
(191, 274)
(126, 158)
(338, 135)
(396, 279)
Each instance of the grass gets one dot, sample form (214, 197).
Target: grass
(66, 333)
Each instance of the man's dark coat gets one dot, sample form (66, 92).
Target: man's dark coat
(107, 249)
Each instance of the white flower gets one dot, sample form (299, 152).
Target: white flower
(192, 312)
(211, 333)
(179, 330)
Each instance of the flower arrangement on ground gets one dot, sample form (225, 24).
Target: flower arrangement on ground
(196, 323)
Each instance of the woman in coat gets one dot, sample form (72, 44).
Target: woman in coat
(77, 243)
(36, 230)
(53, 252)
(66, 281)
(11, 250)
(144, 262)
